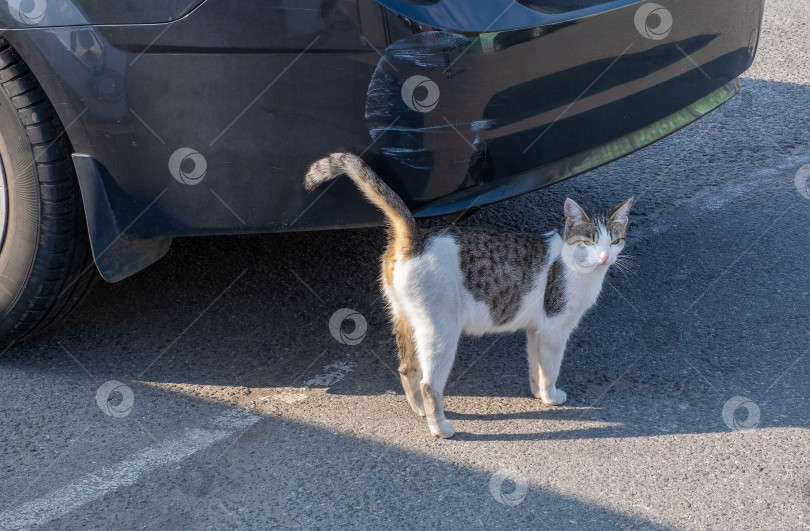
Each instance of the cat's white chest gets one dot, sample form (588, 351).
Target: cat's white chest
(582, 289)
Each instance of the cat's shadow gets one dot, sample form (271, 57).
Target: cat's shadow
(557, 416)
(562, 413)
(589, 433)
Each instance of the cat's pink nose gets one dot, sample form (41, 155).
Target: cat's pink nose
(603, 257)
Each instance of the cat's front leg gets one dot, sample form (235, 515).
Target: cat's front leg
(545, 359)
(533, 352)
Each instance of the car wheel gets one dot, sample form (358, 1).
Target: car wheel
(45, 258)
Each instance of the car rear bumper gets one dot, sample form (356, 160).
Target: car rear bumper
(206, 124)
(579, 163)
(518, 110)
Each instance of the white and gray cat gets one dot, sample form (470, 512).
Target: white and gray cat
(475, 281)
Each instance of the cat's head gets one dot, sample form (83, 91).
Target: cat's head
(591, 243)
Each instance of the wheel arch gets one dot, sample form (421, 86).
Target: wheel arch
(72, 92)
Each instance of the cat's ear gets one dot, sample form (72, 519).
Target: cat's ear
(621, 214)
(574, 215)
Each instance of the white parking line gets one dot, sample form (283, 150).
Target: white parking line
(93, 486)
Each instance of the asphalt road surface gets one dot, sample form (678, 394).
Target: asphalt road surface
(209, 392)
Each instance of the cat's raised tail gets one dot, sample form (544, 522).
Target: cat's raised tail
(405, 233)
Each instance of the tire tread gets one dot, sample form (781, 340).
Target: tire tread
(62, 270)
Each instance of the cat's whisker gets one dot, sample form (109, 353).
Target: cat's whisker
(622, 271)
(626, 270)
(622, 260)
(624, 266)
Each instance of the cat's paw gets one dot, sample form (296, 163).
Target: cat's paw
(555, 398)
(441, 429)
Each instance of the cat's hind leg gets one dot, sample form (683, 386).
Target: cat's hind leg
(409, 372)
(436, 345)
(545, 358)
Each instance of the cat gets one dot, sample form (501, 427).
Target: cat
(442, 284)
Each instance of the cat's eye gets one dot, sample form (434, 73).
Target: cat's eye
(617, 241)
(588, 242)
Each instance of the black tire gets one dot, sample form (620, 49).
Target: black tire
(45, 257)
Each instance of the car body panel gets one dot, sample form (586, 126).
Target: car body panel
(499, 15)
(206, 124)
(30, 14)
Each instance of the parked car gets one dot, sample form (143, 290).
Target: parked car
(124, 124)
